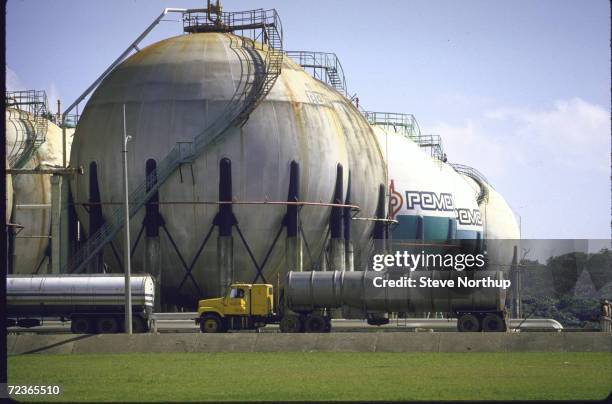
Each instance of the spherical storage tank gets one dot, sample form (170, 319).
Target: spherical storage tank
(429, 199)
(501, 229)
(172, 90)
(31, 192)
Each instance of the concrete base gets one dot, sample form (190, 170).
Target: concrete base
(333, 342)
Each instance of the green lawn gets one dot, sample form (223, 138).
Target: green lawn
(318, 376)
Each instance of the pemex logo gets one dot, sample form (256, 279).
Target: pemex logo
(395, 200)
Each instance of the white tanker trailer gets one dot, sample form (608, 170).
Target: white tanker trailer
(93, 303)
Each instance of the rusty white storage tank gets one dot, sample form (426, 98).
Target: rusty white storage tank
(172, 90)
(32, 142)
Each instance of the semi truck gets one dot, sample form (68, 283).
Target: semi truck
(252, 306)
(93, 303)
(309, 298)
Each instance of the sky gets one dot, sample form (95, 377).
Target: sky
(519, 90)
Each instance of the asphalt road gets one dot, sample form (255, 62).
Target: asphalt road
(183, 323)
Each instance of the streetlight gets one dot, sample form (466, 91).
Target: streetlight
(126, 248)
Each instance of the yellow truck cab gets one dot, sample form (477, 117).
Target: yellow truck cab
(244, 307)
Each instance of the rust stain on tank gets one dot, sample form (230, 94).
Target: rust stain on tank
(300, 130)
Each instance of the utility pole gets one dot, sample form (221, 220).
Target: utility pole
(126, 247)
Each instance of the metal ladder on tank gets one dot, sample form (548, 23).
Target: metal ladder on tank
(256, 81)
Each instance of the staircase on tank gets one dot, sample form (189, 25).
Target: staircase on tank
(478, 177)
(258, 78)
(407, 125)
(323, 66)
(30, 107)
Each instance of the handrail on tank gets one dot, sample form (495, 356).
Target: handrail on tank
(327, 62)
(30, 106)
(407, 125)
(400, 122)
(478, 177)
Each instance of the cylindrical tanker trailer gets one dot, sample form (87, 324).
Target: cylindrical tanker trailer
(93, 303)
(172, 90)
(475, 297)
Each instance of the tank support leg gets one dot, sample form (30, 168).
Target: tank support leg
(225, 220)
(380, 230)
(347, 218)
(335, 225)
(56, 210)
(293, 243)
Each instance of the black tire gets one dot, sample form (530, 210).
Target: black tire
(493, 323)
(80, 325)
(315, 323)
(107, 325)
(291, 323)
(211, 324)
(468, 323)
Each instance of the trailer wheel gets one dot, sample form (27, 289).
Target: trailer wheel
(107, 325)
(291, 323)
(211, 323)
(493, 323)
(468, 323)
(80, 325)
(315, 323)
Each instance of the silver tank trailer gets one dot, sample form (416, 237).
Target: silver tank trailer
(93, 303)
(477, 308)
(317, 290)
(28, 291)
(171, 89)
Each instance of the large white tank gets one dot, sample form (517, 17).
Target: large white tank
(501, 229)
(33, 240)
(467, 212)
(172, 89)
(420, 191)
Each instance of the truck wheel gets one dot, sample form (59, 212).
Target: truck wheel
(493, 323)
(211, 324)
(80, 325)
(291, 323)
(315, 323)
(468, 323)
(107, 325)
